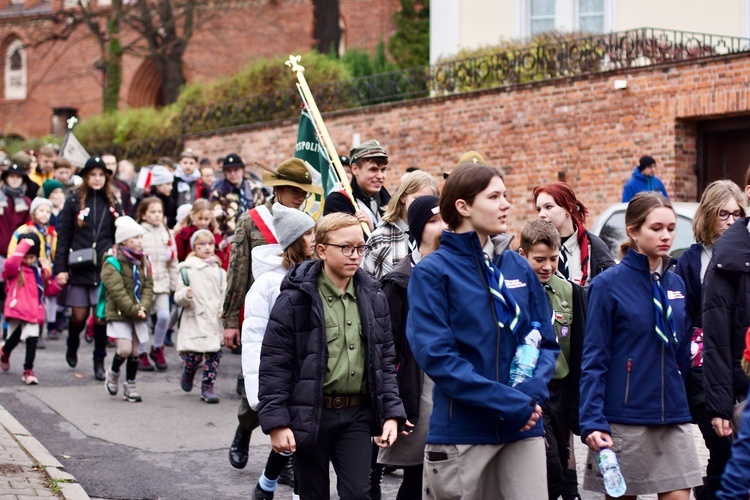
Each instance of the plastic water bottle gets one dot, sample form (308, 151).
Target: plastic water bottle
(527, 354)
(614, 483)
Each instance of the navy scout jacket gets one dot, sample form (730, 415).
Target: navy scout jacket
(628, 375)
(453, 331)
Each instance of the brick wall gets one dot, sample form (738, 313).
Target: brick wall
(580, 129)
(61, 74)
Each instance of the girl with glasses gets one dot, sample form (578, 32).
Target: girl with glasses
(726, 316)
(721, 205)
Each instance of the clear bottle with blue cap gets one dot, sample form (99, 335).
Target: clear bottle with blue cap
(527, 354)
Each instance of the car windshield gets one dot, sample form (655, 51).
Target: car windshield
(613, 234)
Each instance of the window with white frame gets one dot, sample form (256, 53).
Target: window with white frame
(15, 70)
(591, 16)
(539, 16)
(542, 16)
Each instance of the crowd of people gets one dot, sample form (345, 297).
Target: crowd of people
(396, 346)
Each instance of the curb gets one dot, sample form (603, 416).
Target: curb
(51, 467)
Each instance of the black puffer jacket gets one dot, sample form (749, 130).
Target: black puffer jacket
(726, 317)
(70, 236)
(601, 258)
(294, 356)
(409, 374)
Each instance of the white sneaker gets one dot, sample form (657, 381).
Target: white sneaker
(111, 382)
(130, 393)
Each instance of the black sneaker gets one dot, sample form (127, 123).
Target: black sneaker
(261, 494)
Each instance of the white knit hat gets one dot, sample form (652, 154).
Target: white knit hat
(160, 175)
(290, 224)
(38, 202)
(127, 228)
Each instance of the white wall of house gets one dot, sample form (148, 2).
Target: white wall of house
(468, 24)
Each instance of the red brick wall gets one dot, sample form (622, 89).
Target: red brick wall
(581, 127)
(61, 74)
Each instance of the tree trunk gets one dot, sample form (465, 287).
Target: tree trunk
(326, 29)
(113, 68)
(172, 78)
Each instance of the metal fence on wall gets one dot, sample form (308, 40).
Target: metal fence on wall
(592, 54)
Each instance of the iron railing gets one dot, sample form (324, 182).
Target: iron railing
(591, 54)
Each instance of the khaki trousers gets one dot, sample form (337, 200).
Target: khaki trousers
(513, 471)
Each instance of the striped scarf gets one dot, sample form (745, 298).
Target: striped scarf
(664, 324)
(506, 308)
(136, 259)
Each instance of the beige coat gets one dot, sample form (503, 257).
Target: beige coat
(158, 244)
(200, 327)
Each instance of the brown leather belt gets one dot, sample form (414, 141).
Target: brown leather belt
(339, 402)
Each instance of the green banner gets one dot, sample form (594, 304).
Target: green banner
(310, 149)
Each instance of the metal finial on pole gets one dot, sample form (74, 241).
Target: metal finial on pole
(309, 101)
(293, 62)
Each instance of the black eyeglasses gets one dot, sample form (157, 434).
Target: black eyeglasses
(348, 250)
(724, 214)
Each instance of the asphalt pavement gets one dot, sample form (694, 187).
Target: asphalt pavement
(170, 446)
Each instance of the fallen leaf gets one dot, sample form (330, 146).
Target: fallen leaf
(79, 375)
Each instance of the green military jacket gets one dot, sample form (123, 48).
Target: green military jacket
(240, 269)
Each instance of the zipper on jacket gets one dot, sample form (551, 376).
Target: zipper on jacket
(450, 409)
(627, 379)
(662, 383)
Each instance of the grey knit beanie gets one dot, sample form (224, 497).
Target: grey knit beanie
(290, 224)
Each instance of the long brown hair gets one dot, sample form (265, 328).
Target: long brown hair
(295, 253)
(464, 183)
(83, 190)
(637, 212)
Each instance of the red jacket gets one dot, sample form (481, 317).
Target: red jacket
(22, 302)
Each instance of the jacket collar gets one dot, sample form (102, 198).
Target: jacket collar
(304, 277)
(732, 249)
(383, 195)
(468, 243)
(401, 273)
(639, 262)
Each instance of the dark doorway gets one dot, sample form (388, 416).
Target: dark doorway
(723, 151)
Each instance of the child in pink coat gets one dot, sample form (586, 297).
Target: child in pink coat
(26, 284)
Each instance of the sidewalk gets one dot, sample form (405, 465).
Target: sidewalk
(28, 470)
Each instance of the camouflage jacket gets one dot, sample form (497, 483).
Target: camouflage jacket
(239, 272)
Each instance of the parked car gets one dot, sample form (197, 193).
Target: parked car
(610, 227)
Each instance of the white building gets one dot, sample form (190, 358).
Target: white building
(468, 24)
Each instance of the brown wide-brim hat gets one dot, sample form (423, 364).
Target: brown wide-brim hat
(468, 157)
(292, 172)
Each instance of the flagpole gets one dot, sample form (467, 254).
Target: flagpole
(309, 100)
(71, 122)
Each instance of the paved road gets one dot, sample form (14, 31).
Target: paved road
(171, 446)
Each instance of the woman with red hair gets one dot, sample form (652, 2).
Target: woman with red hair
(582, 255)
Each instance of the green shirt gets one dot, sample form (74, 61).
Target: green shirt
(560, 294)
(345, 373)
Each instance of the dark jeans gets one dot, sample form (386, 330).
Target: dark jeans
(344, 439)
(247, 417)
(719, 449)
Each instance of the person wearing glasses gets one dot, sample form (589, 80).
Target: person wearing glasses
(726, 316)
(327, 377)
(721, 205)
(292, 184)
